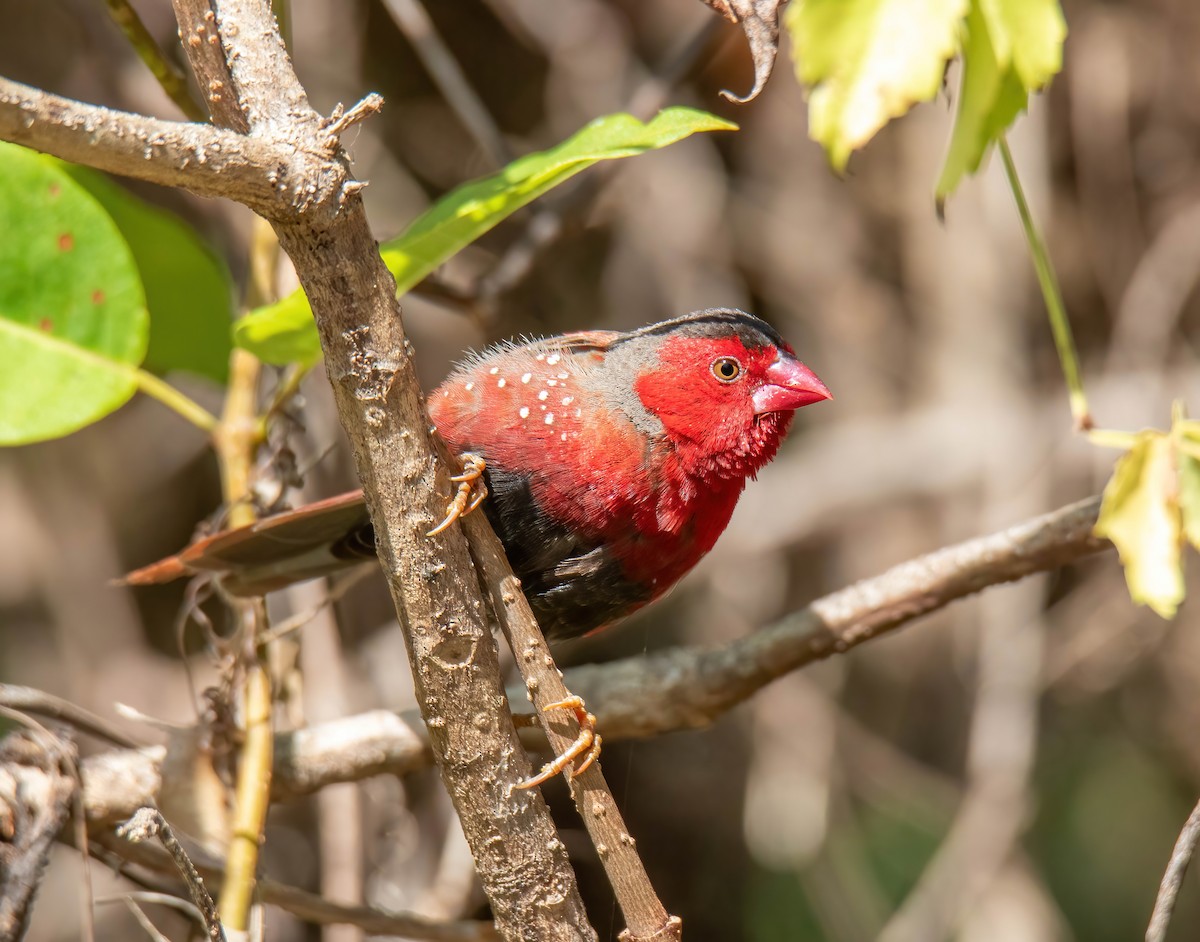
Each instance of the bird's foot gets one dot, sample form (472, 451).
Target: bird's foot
(586, 744)
(470, 494)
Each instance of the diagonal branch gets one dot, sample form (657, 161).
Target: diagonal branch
(682, 689)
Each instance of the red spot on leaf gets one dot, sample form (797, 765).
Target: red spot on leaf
(46, 325)
(97, 296)
(55, 189)
(66, 242)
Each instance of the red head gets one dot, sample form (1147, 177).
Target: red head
(722, 384)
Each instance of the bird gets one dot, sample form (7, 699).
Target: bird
(611, 463)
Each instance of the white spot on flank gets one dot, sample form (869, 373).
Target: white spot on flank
(552, 359)
(563, 436)
(542, 395)
(542, 407)
(469, 387)
(578, 413)
(549, 418)
(494, 370)
(526, 377)
(523, 412)
(541, 356)
(446, 393)
(551, 382)
(501, 383)
(567, 400)
(564, 375)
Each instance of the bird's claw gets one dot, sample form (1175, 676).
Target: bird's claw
(471, 491)
(586, 744)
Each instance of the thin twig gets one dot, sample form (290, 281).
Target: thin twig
(187, 907)
(40, 703)
(305, 905)
(549, 221)
(144, 920)
(1168, 890)
(414, 21)
(149, 823)
(173, 82)
(645, 915)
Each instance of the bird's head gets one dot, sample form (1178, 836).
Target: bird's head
(720, 385)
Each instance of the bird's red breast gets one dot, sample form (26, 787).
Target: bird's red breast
(614, 460)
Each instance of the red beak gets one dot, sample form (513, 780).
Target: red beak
(790, 385)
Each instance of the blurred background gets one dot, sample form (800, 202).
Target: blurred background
(1014, 768)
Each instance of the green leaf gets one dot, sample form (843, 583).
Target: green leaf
(73, 320)
(284, 332)
(868, 61)
(188, 289)
(1189, 497)
(1140, 515)
(1029, 35)
(1010, 48)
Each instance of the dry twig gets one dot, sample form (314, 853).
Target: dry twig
(1168, 890)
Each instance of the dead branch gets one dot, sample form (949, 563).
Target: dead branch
(149, 823)
(1168, 891)
(36, 788)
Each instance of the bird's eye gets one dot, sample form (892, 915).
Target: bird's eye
(726, 369)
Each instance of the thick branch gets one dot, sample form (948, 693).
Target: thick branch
(207, 161)
(522, 863)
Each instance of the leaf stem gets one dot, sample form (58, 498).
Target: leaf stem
(1112, 438)
(173, 399)
(1059, 325)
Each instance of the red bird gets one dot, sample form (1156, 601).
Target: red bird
(613, 463)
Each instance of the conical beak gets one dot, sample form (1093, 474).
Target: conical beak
(790, 384)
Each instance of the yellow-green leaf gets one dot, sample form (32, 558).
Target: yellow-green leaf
(990, 97)
(1140, 514)
(1010, 48)
(868, 61)
(1028, 35)
(285, 333)
(1189, 497)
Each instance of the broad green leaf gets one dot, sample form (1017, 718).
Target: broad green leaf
(1010, 48)
(284, 332)
(868, 61)
(188, 289)
(1140, 515)
(73, 320)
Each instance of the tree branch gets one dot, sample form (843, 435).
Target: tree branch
(636, 698)
(687, 689)
(207, 161)
(522, 863)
